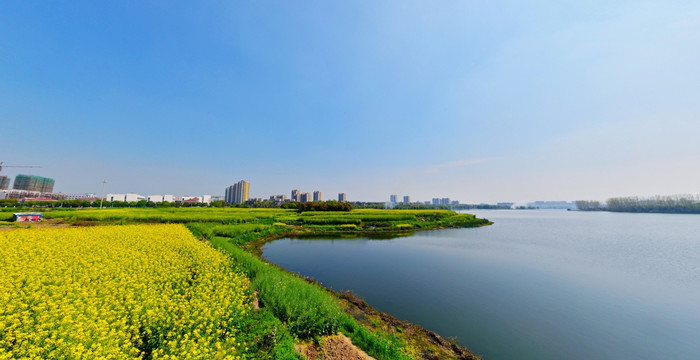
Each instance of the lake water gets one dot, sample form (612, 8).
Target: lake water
(534, 285)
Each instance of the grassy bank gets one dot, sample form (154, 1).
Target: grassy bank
(293, 309)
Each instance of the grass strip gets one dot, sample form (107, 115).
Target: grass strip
(308, 310)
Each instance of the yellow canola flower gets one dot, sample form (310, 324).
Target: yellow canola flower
(117, 292)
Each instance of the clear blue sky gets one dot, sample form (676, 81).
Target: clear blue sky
(477, 101)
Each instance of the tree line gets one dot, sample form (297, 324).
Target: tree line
(319, 206)
(681, 204)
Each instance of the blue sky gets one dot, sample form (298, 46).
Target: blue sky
(477, 101)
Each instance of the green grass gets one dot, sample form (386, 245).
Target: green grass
(380, 346)
(268, 337)
(308, 310)
(330, 220)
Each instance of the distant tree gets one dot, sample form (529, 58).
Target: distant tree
(368, 205)
(587, 205)
(9, 203)
(218, 203)
(331, 205)
(425, 207)
(164, 204)
(688, 204)
(292, 205)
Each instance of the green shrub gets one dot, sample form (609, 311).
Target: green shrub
(269, 339)
(6, 216)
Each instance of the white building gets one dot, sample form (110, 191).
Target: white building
(204, 199)
(76, 196)
(124, 197)
(161, 198)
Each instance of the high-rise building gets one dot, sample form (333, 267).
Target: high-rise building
(406, 199)
(318, 196)
(295, 195)
(342, 197)
(33, 183)
(304, 197)
(237, 193)
(436, 201)
(392, 198)
(4, 182)
(445, 201)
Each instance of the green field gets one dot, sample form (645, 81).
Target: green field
(292, 308)
(366, 219)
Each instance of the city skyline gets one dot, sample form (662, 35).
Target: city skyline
(487, 102)
(301, 196)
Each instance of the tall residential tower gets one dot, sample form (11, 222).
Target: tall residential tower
(237, 193)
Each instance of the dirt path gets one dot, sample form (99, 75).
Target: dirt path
(335, 347)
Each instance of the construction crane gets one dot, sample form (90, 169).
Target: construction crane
(17, 166)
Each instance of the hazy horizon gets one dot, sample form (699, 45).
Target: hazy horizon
(504, 101)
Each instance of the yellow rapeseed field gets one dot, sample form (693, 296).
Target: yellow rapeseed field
(118, 292)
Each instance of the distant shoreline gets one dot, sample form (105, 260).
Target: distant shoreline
(696, 212)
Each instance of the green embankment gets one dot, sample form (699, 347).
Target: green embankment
(308, 310)
(291, 307)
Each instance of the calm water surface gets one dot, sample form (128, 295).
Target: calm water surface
(535, 285)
